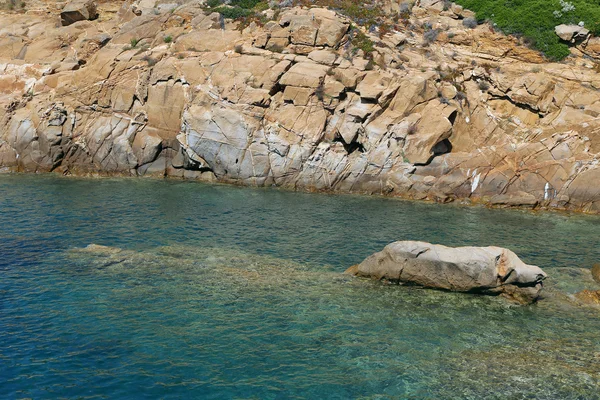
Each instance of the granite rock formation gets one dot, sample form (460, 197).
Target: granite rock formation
(167, 89)
(78, 10)
(487, 270)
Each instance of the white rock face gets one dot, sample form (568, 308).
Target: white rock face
(571, 33)
(488, 270)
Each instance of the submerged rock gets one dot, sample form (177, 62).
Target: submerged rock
(596, 272)
(589, 297)
(487, 270)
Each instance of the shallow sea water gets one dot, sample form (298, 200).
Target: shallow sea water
(218, 292)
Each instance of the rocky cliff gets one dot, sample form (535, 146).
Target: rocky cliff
(434, 108)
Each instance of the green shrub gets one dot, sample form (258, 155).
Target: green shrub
(232, 12)
(237, 9)
(246, 4)
(430, 36)
(320, 92)
(13, 5)
(168, 39)
(535, 20)
(362, 42)
(262, 6)
(470, 23)
(134, 42)
(367, 14)
(150, 60)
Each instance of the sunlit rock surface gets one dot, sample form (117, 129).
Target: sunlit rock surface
(165, 90)
(489, 270)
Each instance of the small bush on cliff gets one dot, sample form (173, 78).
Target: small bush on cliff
(362, 41)
(243, 11)
(13, 5)
(232, 12)
(367, 14)
(236, 9)
(320, 92)
(430, 36)
(535, 20)
(276, 48)
(470, 23)
(484, 86)
(150, 60)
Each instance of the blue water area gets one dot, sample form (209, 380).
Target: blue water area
(213, 291)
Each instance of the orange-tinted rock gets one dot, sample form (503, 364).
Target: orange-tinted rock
(596, 272)
(293, 103)
(589, 297)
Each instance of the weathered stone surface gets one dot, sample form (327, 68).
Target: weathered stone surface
(596, 272)
(304, 75)
(518, 199)
(323, 57)
(331, 32)
(589, 297)
(78, 10)
(571, 33)
(303, 30)
(437, 5)
(141, 92)
(488, 270)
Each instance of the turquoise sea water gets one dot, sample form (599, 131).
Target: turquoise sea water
(211, 291)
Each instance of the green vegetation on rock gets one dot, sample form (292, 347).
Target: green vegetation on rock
(535, 19)
(362, 42)
(367, 14)
(237, 9)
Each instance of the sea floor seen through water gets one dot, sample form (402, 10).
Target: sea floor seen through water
(124, 288)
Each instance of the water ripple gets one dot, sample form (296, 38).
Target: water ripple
(223, 292)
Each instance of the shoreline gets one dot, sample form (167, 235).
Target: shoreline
(298, 104)
(457, 202)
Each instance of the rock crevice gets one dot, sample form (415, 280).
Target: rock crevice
(485, 270)
(296, 103)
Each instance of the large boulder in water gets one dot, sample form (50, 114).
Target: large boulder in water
(78, 10)
(487, 270)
